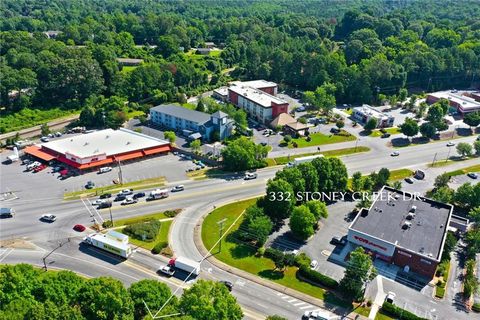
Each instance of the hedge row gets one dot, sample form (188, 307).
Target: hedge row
(439, 292)
(145, 231)
(399, 313)
(476, 307)
(159, 247)
(317, 277)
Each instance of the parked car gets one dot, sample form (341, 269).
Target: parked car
(250, 176)
(139, 195)
(338, 241)
(48, 217)
(33, 165)
(313, 264)
(386, 135)
(167, 270)
(26, 162)
(90, 185)
(79, 228)
(128, 201)
(104, 205)
(58, 134)
(178, 188)
(227, 284)
(472, 175)
(390, 297)
(105, 196)
(335, 130)
(39, 168)
(104, 170)
(395, 154)
(409, 180)
(44, 139)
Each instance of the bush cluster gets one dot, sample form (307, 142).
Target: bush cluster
(317, 277)
(398, 312)
(170, 213)
(145, 231)
(159, 247)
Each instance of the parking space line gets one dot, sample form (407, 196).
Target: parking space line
(293, 300)
(306, 307)
(299, 304)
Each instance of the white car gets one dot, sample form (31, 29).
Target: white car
(316, 315)
(313, 264)
(390, 297)
(44, 139)
(126, 192)
(48, 217)
(178, 188)
(33, 165)
(168, 270)
(105, 170)
(250, 176)
(450, 144)
(128, 201)
(395, 154)
(98, 202)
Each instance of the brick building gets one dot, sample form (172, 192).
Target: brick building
(404, 230)
(463, 103)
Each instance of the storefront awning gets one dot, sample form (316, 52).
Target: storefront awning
(128, 156)
(157, 150)
(39, 153)
(85, 165)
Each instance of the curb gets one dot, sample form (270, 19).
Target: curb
(248, 276)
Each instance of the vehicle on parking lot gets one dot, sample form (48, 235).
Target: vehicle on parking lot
(250, 176)
(390, 297)
(7, 212)
(48, 217)
(105, 196)
(313, 264)
(26, 162)
(409, 180)
(450, 144)
(128, 201)
(58, 134)
(167, 270)
(395, 154)
(105, 204)
(79, 228)
(472, 175)
(139, 195)
(335, 130)
(227, 284)
(44, 139)
(126, 192)
(90, 185)
(120, 197)
(300, 109)
(33, 165)
(180, 187)
(316, 315)
(39, 168)
(105, 170)
(263, 144)
(386, 135)
(338, 241)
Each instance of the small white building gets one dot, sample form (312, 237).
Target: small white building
(364, 113)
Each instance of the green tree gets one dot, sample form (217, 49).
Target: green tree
(382, 177)
(287, 138)
(317, 208)
(167, 46)
(357, 182)
(465, 149)
(476, 146)
(402, 95)
(105, 298)
(428, 130)
(259, 228)
(206, 300)
(200, 106)
(435, 113)
(45, 129)
(195, 145)
(359, 270)
(464, 196)
(409, 127)
(340, 124)
(294, 177)
(443, 194)
(397, 185)
(309, 174)
(170, 136)
(370, 125)
(154, 294)
(302, 222)
(441, 180)
(323, 98)
(243, 154)
(279, 199)
(472, 119)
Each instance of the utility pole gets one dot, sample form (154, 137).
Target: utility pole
(434, 158)
(120, 175)
(111, 217)
(60, 244)
(356, 143)
(448, 155)
(220, 225)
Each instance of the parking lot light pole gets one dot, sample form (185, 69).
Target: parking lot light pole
(220, 225)
(111, 217)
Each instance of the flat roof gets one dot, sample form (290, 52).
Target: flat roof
(465, 102)
(258, 96)
(257, 84)
(223, 91)
(371, 111)
(389, 212)
(183, 113)
(110, 142)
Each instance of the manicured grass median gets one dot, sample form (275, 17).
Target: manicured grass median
(144, 218)
(400, 174)
(242, 256)
(161, 237)
(318, 139)
(329, 153)
(378, 133)
(139, 184)
(474, 168)
(205, 173)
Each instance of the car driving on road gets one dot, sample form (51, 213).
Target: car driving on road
(395, 154)
(139, 195)
(250, 176)
(178, 188)
(48, 217)
(167, 270)
(126, 192)
(128, 201)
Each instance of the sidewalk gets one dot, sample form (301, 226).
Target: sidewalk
(263, 282)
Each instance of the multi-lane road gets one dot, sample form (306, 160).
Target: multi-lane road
(34, 239)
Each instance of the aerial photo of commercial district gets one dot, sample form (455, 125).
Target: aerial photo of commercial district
(240, 159)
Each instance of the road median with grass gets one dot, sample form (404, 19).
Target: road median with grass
(318, 139)
(329, 153)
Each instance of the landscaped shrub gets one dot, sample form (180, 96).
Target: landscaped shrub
(273, 254)
(107, 224)
(400, 313)
(171, 213)
(476, 307)
(317, 277)
(261, 251)
(167, 251)
(290, 259)
(302, 260)
(159, 246)
(145, 231)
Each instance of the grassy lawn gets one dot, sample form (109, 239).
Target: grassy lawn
(27, 118)
(378, 133)
(400, 174)
(320, 139)
(205, 173)
(161, 237)
(135, 113)
(242, 256)
(382, 316)
(146, 183)
(466, 170)
(329, 153)
(364, 311)
(127, 69)
(144, 218)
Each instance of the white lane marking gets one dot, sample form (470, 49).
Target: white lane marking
(293, 300)
(306, 307)
(299, 304)
(7, 252)
(285, 297)
(279, 294)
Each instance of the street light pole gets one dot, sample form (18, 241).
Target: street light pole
(220, 225)
(111, 217)
(356, 144)
(448, 155)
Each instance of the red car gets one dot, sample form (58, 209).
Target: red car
(79, 228)
(40, 168)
